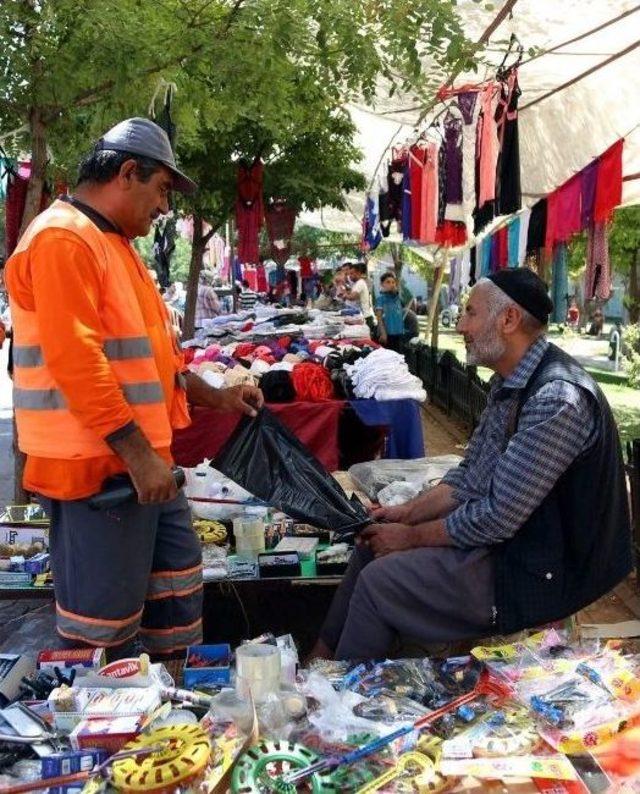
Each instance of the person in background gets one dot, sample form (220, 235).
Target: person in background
(100, 386)
(207, 302)
(389, 313)
(359, 294)
(421, 306)
(597, 323)
(573, 314)
(307, 276)
(247, 298)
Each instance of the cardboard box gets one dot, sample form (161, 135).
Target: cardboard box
(106, 734)
(91, 658)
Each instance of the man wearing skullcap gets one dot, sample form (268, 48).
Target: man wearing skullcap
(530, 527)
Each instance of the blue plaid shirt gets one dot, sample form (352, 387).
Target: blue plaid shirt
(502, 480)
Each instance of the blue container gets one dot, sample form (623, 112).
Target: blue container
(218, 674)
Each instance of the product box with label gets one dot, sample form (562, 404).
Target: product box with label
(207, 664)
(107, 734)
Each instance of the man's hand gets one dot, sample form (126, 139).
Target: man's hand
(396, 514)
(246, 399)
(153, 480)
(386, 538)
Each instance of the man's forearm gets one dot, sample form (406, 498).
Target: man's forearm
(435, 503)
(431, 533)
(133, 447)
(200, 393)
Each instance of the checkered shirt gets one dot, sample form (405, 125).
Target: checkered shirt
(503, 479)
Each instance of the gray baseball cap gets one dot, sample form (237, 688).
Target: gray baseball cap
(148, 139)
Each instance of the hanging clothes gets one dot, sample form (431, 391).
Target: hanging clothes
(560, 286)
(502, 236)
(261, 279)
(588, 182)
(280, 219)
(164, 243)
(442, 184)
(563, 212)
(17, 185)
(430, 192)
(609, 183)
(494, 255)
(485, 258)
(508, 190)
(417, 161)
(371, 231)
(488, 138)
(598, 272)
(451, 234)
(473, 265)
(383, 205)
(465, 268)
(453, 159)
(524, 216)
(513, 230)
(537, 226)
(249, 209)
(406, 202)
(395, 177)
(469, 108)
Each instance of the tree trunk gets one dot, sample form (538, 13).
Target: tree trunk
(38, 168)
(432, 317)
(398, 259)
(634, 289)
(195, 266)
(31, 208)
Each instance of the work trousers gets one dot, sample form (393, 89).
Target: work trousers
(429, 595)
(128, 571)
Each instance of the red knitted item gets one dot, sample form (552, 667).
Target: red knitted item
(312, 383)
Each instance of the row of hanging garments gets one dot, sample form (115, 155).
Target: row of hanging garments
(463, 170)
(540, 234)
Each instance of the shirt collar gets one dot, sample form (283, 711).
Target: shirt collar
(104, 224)
(527, 365)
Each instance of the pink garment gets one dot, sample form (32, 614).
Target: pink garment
(488, 145)
(429, 203)
(563, 212)
(597, 277)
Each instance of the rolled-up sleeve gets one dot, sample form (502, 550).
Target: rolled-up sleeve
(555, 426)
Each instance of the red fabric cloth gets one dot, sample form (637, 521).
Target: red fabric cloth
(280, 219)
(312, 382)
(569, 200)
(417, 160)
(315, 424)
(551, 233)
(244, 349)
(503, 247)
(261, 279)
(305, 267)
(451, 233)
(251, 275)
(249, 210)
(609, 185)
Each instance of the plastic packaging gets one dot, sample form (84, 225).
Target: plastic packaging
(248, 530)
(263, 456)
(373, 476)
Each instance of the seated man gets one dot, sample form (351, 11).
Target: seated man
(532, 525)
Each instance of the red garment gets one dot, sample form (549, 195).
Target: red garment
(251, 275)
(551, 233)
(451, 233)
(284, 342)
(280, 220)
(243, 349)
(569, 200)
(261, 278)
(249, 210)
(417, 162)
(609, 185)
(305, 267)
(312, 382)
(503, 247)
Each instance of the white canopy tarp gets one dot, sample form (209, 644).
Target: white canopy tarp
(560, 134)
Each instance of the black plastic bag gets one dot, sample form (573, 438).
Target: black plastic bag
(264, 457)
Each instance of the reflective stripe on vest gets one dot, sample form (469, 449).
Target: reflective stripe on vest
(114, 350)
(53, 399)
(27, 356)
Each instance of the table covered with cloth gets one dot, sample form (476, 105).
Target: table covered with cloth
(317, 425)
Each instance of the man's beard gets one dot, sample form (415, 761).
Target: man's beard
(486, 349)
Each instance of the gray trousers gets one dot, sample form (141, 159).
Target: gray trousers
(428, 594)
(132, 570)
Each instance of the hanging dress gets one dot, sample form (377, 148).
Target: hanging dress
(469, 108)
(429, 204)
(417, 161)
(588, 182)
(395, 176)
(508, 190)
(598, 271)
(249, 210)
(453, 154)
(609, 183)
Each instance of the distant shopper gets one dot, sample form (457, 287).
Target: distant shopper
(390, 313)
(573, 314)
(360, 295)
(207, 302)
(247, 298)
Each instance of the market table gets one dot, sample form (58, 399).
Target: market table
(338, 432)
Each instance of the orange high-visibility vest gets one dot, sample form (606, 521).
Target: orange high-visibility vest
(46, 428)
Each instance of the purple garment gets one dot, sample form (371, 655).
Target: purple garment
(588, 181)
(467, 104)
(406, 203)
(453, 153)
(495, 254)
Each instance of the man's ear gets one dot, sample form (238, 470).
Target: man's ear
(127, 173)
(512, 320)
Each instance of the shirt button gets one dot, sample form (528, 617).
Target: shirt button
(548, 575)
